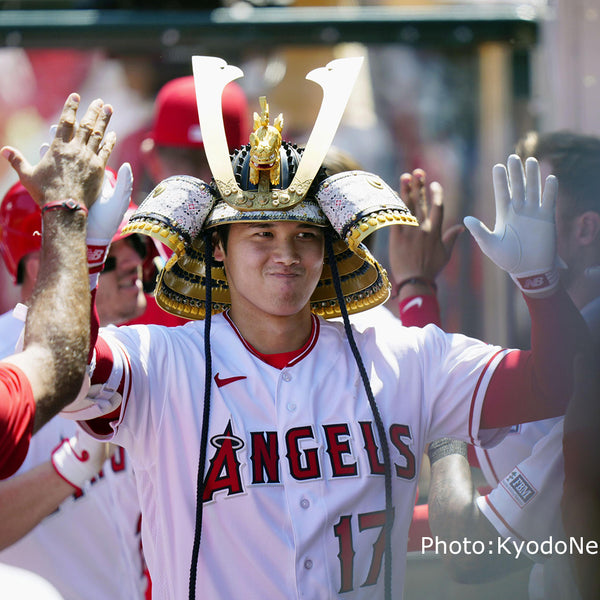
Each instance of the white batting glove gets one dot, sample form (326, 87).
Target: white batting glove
(105, 216)
(80, 458)
(523, 242)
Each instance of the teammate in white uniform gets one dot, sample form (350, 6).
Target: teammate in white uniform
(75, 523)
(293, 499)
(51, 368)
(526, 469)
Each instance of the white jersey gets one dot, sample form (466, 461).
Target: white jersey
(294, 496)
(10, 330)
(497, 462)
(526, 470)
(19, 584)
(90, 547)
(525, 507)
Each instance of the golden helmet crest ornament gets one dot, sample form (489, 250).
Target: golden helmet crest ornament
(270, 180)
(265, 142)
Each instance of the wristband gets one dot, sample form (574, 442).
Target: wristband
(68, 204)
(430, 283)
(444, 447)
(419, 311)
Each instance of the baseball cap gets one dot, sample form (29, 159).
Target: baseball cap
(176, 120)
(21, 224)
(20, 227)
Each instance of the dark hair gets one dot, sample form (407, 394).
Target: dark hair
(222, 232)
(21, 271)
(574, 159)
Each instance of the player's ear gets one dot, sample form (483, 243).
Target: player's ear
(588, 227)
(218, 247)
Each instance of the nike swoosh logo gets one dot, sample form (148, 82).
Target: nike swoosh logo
(227, 380)
(418, 302)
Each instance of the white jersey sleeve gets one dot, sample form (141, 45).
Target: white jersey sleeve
(525, 510)
(90, 546)
(525, 505)
(499, 461)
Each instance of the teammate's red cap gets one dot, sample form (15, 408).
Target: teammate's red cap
(21, 224)
(20, 227)
(176, 115)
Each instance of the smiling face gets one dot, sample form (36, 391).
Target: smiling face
(272, 268)
(120, 296)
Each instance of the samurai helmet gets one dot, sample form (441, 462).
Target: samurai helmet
(270, 180)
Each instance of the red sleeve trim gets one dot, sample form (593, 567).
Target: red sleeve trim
(474, 397)
(104, 362)
(94, 323)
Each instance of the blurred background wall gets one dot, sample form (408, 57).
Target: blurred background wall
(446, 86)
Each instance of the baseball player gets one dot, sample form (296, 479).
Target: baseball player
(67, 497)
(580, 503)
(39, 381)
(526, 469)
(174, 144)
(301, 438)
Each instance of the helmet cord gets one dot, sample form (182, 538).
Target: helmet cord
(385, 449)
(205, 416)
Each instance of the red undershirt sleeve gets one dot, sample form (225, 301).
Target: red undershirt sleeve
(537, 384)
(104, 365)
(418, 311)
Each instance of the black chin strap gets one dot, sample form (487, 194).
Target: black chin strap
(205, 417)
(385, 449)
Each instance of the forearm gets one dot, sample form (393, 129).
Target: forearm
(58, 319)
(65, 183)
(452, 508)
(455, 516)
(25, 500)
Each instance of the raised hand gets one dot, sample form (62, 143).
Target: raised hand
(74, 164)
(523, 242)
(421, 252)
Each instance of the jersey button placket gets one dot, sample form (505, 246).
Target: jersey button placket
(304, 510)
(286, 377)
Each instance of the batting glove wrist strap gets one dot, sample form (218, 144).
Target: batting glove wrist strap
(537, 284)
(523, 242)
(79, 459)
(96, 255)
